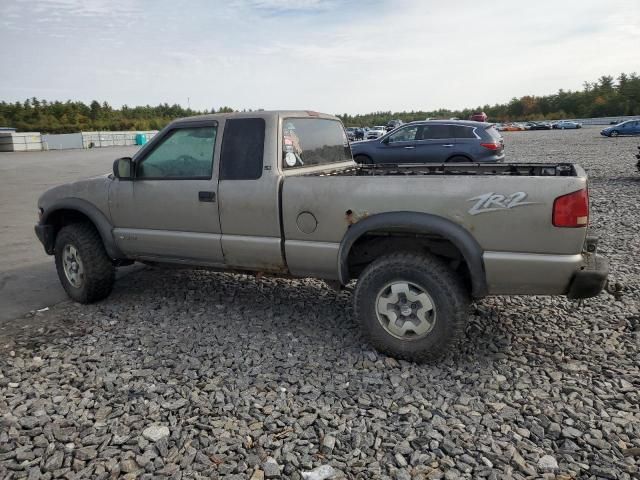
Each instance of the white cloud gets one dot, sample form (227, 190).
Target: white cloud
(348, 56)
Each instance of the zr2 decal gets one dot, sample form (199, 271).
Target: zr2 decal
(491, 202)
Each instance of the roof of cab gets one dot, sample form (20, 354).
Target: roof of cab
(258, 114)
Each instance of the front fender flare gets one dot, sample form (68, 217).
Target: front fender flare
(98, 219)
(416, 222)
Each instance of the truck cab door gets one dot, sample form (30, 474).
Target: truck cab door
(168, 210)
(249, 195)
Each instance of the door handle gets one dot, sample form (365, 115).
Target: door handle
(411, 147)
(207, 196)
(448, 145)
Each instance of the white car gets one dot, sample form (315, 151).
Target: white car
(566, 124)
(376, 132)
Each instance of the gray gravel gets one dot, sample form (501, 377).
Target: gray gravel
(206, 375)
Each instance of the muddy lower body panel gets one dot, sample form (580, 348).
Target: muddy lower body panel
(540, 274)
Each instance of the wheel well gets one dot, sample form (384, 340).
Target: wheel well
(459, 155)
(362, 155)
(63, 217)
(373, 245)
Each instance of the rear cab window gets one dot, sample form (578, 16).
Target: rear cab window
(308, 142)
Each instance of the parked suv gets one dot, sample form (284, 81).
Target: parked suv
(434, 141)
(630, 127)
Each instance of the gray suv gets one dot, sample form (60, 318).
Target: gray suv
(433, 141)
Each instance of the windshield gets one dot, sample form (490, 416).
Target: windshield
(309, 142)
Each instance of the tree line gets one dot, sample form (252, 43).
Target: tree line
(607, 96)
(36, 115)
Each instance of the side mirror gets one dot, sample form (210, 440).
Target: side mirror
(122, 168)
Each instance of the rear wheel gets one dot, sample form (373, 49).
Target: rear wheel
(84, 268)
(411, 306)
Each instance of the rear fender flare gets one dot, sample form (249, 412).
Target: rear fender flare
(424, 223)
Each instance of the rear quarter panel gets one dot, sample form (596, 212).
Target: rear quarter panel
(525, 228)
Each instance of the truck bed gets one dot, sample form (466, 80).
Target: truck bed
(478, 169)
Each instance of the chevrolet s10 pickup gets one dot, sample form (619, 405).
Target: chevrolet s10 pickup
(279, 192)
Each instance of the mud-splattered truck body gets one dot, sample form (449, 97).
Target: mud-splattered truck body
(278, 192)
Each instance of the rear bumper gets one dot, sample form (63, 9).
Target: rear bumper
(581, 275)
(45, 234)
(590, 281)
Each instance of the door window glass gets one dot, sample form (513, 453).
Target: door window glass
(434, 132)
(242, 149)
(186, 153)
(406, 134)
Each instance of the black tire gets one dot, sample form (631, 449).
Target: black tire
(443, 285)
(98, 271)
(614, 133)
(363, 159)
(458, 159)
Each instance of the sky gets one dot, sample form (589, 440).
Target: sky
(328, 55)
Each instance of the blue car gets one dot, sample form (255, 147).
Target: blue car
(630, 127)
(433, 141)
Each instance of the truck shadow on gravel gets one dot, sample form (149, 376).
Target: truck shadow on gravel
(187, 311)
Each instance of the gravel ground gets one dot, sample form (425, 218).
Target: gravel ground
(205, 375)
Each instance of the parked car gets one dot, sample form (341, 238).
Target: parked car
(436, 141)
(393, 124)
(375, 132)
(215, 191)
(566, 125)
(638, 157)
(478, 117)
(540, 126)
(630, 127)
(512, 127)
(351, 133)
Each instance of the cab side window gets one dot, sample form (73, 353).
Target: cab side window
(186, 153)
(242, 149)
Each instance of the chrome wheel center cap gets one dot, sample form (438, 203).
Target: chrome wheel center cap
(405, 310)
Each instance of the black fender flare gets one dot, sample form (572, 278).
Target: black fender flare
(416, 222)
(99, 220)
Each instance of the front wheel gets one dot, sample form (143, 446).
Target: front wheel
(614, 133)
(411, 306)
(84, 268)
(363, 159)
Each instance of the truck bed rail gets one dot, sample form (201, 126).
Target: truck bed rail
(513, 169)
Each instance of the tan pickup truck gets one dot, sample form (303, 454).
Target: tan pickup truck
(279, 192)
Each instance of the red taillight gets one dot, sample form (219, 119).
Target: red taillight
(571, 210)
(491, 146)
